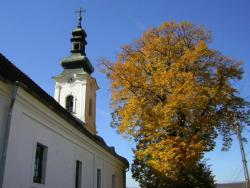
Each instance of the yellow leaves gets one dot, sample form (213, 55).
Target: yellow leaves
(170, 154)
(167, 92)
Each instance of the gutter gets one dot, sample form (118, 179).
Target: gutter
(7, 132)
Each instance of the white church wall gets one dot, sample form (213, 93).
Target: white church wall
(33, 122)
(91, 88)
(5, 95)
(79, 88)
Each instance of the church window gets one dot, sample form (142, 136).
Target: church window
(90, 107)
(99, 178)
(78, 174)
(40, 164)
(69, 103)
(113, 181)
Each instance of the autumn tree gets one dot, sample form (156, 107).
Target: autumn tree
(174, 95)
(198, 176)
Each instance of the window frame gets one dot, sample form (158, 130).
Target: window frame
(99, 178)
(78, 174)
(42, 165)
(71, 107)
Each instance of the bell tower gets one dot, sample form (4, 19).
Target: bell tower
(75, 88)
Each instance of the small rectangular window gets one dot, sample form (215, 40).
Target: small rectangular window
(76, 46)
(99, 178)
(113, 181)
(40, 164)
(78, 182)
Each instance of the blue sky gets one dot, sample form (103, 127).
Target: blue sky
(35, 35)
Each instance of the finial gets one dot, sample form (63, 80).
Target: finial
(80, 17)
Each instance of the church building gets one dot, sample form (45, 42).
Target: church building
(48, 142)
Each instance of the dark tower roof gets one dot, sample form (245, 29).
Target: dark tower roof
(78, 58)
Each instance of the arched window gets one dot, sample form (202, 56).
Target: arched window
(69, 103)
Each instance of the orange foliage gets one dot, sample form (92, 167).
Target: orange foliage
(174, 94)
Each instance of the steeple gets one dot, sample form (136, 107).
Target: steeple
(78, 58)
(75, 88)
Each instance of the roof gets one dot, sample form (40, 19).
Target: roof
(11, 73)
(77, 60)
(231, 185)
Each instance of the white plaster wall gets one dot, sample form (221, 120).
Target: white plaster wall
(5, 95)
(33, 122)
(81, 91)
(91, 88)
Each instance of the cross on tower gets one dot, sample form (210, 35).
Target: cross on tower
(80, 16)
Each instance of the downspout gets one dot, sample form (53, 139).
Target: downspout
(124, 177)
(7, 132)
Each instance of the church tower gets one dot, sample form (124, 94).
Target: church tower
(75, 88)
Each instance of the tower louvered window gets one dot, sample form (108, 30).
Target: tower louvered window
(69, 103)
